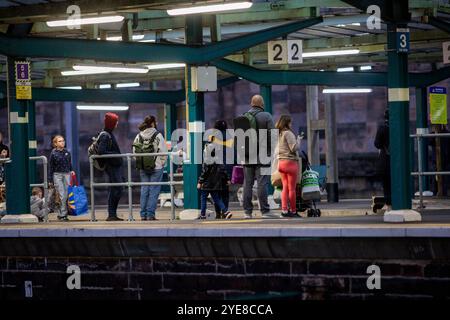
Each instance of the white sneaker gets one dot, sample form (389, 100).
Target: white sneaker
(248, 216)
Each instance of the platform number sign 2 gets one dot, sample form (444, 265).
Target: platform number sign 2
(295, 51)
(403, 40)
(446, 52)
(277, 52)
(285, 51)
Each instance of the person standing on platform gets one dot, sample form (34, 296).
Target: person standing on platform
(151, 169)
(107, 144)
(4, 153)
(60, 169)
(384, 160)
(288, 165)
(264, 121)
(225, 146)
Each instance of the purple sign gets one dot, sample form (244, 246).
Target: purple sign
(22, 71)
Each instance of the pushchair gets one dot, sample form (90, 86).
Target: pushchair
(302, 204)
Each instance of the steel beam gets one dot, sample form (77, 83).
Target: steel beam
(142, 52)
(439, 23)
(272, 77)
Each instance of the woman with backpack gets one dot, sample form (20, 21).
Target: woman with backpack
(150, 140)
(60, 164)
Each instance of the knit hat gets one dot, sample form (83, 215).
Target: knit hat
(111, 120)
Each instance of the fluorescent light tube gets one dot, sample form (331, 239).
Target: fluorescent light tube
(329, 53)
(81, 72)
(104, 86)
(346, 90)
(110, 69)
(210, 8)
(119, 38)
(149, 40)
(82, 21)
(72, 88)
(88, 107)
(365, 68)
(165, 66)
(128, 85)
(346, 69)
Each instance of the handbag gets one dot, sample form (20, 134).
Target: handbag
(237, 175)
(275, 177)
(77, 200)
(310, 185)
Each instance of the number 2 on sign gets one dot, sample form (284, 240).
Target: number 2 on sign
(277, 52)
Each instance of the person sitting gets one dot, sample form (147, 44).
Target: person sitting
(38, 205)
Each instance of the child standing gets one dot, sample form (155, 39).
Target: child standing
(211, 181)
(60, 169)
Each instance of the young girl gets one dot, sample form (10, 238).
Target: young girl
(60, 164)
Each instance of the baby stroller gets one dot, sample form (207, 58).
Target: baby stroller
(308, 205)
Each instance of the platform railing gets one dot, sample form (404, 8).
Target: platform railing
(129, 183)
(420, 135)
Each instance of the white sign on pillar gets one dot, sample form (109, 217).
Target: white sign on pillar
(446, 52)
(278, 53)
(295, 51)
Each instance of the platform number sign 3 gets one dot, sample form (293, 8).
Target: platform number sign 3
(403, 40)
(446, 52)
(277, 52)
(295, 51)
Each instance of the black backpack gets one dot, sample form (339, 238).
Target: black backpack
(245, 122)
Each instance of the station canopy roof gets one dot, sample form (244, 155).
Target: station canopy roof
(344, 27)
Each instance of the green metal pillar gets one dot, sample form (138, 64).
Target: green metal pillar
(266, 93)
(422, 127)
(398, 96)
(195, 117)
(17, 181)
(32, 143)
(170, 113)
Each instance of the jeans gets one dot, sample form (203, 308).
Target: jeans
(225, 197)
(115, 176)
(250, 173)
(61, 181)
(150, 194)
(216, 199)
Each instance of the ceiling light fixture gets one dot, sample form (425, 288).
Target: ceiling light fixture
(346, 90)
(210, 8)
(83, 21)
(90, 107)
(329, 53)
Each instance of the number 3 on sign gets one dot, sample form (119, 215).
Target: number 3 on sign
(295, 51)
(277, 52)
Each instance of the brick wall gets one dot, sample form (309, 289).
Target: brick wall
(419, 270)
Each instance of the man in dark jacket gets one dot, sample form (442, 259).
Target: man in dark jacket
(107, 144)
(384, 161)
(264, 120)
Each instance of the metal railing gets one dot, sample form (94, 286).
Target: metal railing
(130, 184)
(420, 135)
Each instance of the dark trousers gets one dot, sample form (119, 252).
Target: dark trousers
(115, 176)
(225, 196)
(216, 199)
(387, 184)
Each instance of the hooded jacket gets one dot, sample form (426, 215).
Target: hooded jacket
(159, 141)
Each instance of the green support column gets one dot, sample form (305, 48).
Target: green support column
(17, 178)
(398, 97)
(32, 143)
(170, 111)
(422, 127)
(195, 117)
(266, 93)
